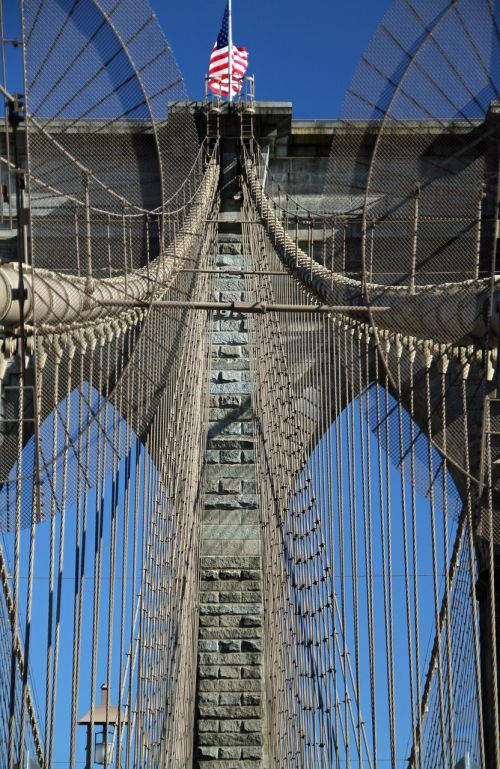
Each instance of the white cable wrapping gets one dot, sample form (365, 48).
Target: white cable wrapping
(52, 298)
(451, 313)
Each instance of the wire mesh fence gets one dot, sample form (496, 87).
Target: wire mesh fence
(369, 560)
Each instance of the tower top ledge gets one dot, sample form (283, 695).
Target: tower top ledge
(274, 121)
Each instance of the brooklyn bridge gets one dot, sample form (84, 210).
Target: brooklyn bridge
(249, 403)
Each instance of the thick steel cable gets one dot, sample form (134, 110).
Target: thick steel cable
(443, 367)
(17, 556)
(348, 291)
(35, 517)
(364, 362)
(385, 553)
(50, 614)
(404, 515)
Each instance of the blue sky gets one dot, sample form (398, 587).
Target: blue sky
(299, 52)
(303, 53)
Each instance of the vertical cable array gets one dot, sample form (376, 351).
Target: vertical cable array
(370, 605)
(103, 396)
(101, 508)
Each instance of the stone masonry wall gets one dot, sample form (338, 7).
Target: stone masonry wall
(230, 679)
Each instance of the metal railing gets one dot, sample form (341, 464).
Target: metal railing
(215, 97)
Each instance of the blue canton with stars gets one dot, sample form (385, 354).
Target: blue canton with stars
(222, 37)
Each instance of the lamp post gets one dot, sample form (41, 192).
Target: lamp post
(105, 716)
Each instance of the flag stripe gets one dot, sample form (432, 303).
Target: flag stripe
(218, 71)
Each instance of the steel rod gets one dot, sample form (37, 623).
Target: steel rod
(8, 96)
(232, 271)
(245, 306)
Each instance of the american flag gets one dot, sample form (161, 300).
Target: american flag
(218, 71)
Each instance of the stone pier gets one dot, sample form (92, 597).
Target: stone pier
(230, 725)
(230, 703)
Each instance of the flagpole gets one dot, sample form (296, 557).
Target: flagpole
(230, 40)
